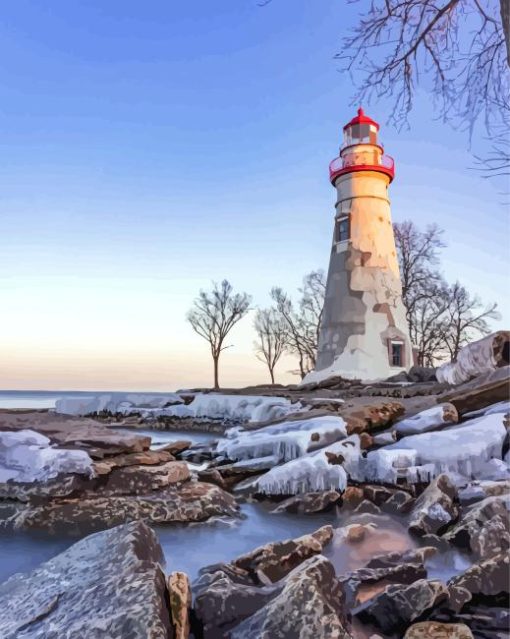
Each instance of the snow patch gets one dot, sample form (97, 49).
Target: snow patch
(27, 456)
(422, 422)
(286, 441)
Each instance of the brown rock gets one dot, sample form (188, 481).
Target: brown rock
(480, 392)
(352, 496)
(309, 502)
(355, 533)
(436, 508)
(179, 591)
(487, 579)
(138, 480)
(145, 458)
(371, 417)
(437, 630)
(366, 441)
(192, 501)
(174, 448)
(273, 561)
(212, 476)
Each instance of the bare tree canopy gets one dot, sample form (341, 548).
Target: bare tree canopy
(441, 318)
(214, 314)
(459, 49)
(303, 322)
(272, 336)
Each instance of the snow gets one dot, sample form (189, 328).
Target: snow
(314, 471)
(206, 406)
(473, 360)
(499, 407)
(464, 449)
(114, 403)
(422, 422)
(287, 440)
(27, 456)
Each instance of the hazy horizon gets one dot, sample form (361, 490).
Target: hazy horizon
(148, 153)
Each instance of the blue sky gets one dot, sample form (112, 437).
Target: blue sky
(149, 148)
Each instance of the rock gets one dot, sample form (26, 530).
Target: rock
(371, 417)
(436, 508)
(221, 602)
(309, 503)
(486, 622)
(483, 581)
(273, 561)
(430, 419)
(384, 439)
(354, 533)
(176, 448)
(400, 502)
(139, 480)
(193, 501)
(422, 374)
(179, 592)
(108, 584)
(478, 490)
(310, 606)
(366, 441)
(484, 529)
(145, 458)
(377, 494)
(477, 358)
(398, 606)
(479, 393)
(212, 476)
(352, 496)
(367, 507)
(437, 630)
(78, 433)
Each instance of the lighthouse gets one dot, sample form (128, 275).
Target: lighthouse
(363, 332)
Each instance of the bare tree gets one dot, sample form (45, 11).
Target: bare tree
(272, 335)
(466, 319)
(213, 315)
(441, 318)
(303, 322)
(459, 49)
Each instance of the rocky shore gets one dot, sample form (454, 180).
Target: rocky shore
(432, 456)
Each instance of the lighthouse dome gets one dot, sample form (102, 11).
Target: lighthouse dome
(361, 130)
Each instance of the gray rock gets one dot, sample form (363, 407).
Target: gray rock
(399, 502)
(485, 580)
(107, 585)
(310, 606)
(398, 606)
(437, 630)
(367, 507)
(484, 529)
(309, 502)
(436, 508)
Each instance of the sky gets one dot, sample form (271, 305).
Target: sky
(151, 148)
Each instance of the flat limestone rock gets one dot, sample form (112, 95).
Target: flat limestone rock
(193, 501)
(371, 417)
(107, 585)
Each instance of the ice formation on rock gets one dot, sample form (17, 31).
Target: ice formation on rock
(287, 440)
(241, 408)
(476, 358)
(464, 449)
(324, 469)
(115, 403)
(499, 407)
(428, 419)
(27, 456)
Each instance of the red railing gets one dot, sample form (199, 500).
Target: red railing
(362, 161)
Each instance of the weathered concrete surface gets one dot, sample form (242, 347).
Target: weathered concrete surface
(107, 585)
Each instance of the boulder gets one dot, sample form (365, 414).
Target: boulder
(193, 501)
(309, 502)
(479, 393)
(438, 630)
(485, 582)
(371, 417)
(478, 490)
(176, 448)
(398, 606)
(107, 585)
(310, 606)
(273, 561)
(179, 592)
(145, 458)
(139, 480)
(422, 374)
(399, 503)
(367, 507)
(436, 508)
(352, 496)
(484, 529)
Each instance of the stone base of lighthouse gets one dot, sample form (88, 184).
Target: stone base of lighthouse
(362, 315)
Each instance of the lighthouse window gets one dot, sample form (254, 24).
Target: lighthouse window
(396, 354)
(343, 229)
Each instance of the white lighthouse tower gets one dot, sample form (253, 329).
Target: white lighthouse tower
(363, 332)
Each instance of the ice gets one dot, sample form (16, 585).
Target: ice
(287, 440)
(27, 456)
(325, 469)
(464, 449)
(241, 408)
(114, 403)
(499, 407)
(473, 360)
(422, 422)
